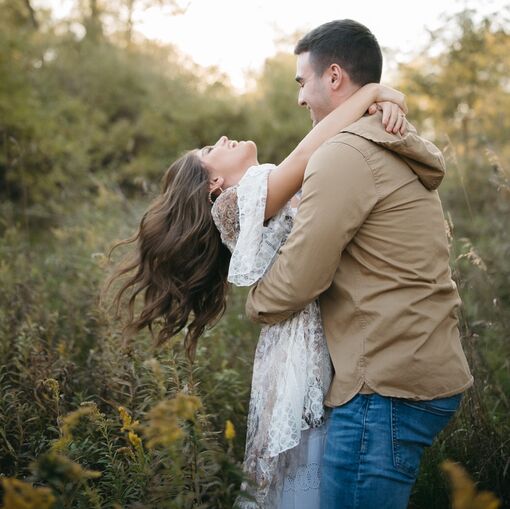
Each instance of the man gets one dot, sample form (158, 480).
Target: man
(369, 241)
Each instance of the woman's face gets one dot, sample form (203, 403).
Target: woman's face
(229, 159)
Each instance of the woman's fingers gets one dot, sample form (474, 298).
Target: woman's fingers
(372, 108)
(403, 129)
(386, 111)
(392, 118)
(400, 123)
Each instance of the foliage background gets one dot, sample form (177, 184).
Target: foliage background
(89, 121)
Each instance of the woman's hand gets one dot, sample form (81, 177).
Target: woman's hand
(394, 118)
(393, 105)
(388, 94)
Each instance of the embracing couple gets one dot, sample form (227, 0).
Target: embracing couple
(359, 363)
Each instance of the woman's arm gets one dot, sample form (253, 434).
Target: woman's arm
(285, 180)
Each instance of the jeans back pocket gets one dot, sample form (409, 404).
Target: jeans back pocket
(414, 425)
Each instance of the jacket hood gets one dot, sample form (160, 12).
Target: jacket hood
(422, 156)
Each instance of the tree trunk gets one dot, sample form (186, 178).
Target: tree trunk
(31, 12)
(93, 22)
(129, 24)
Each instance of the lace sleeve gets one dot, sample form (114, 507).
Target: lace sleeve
(257, 244)
(226, 217)
(238, 213)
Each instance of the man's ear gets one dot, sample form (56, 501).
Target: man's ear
(216, 183)
(336, 76)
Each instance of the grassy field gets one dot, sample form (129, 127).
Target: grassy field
(107, 424)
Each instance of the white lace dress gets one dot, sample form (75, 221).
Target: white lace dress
(287, 421)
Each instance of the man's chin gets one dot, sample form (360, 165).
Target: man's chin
(315, 120)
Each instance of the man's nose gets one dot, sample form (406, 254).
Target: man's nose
(301, 100)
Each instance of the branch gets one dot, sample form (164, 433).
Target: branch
(31, 11)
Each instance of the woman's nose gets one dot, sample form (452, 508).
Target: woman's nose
(221, 141)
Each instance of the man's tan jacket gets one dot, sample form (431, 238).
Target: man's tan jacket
(369, 241)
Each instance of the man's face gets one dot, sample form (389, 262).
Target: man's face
(314, 92)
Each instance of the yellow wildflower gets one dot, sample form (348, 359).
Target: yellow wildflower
(71, 420)
(127, 422)
(22, 495)
(68, 470)
(163, 427)
(76, 471)
(230, 431)
(129, 425)
(53, 387)
(185, 406)
(464, 492)
(134, 439)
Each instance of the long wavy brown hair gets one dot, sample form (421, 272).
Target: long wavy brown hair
(178, 263)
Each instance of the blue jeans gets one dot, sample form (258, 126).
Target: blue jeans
(374, 447)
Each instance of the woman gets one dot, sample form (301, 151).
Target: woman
(220, 196)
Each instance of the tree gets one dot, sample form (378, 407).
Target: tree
(277, 123)
(177, 7)
(464, 92)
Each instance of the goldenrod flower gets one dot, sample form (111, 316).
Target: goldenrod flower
(87, 409)
(129, 425)
(53, 387)
(22, 495)
(134, 439)
(125, 417)
(127, 422)
(68, 470)
(185, 406)
(163, 427)
(75, 470)
(230, 431)
(464, 493)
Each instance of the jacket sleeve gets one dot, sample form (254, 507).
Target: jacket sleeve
(338, 194)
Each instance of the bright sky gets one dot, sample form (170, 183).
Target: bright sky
(237, 36)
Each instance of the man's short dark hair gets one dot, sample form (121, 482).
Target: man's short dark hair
(347, 43)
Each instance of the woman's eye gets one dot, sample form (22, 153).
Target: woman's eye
(208, 149)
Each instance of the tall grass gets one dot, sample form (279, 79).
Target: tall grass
(91, 422)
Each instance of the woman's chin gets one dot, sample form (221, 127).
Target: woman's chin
(253, 146)
(249, 157)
